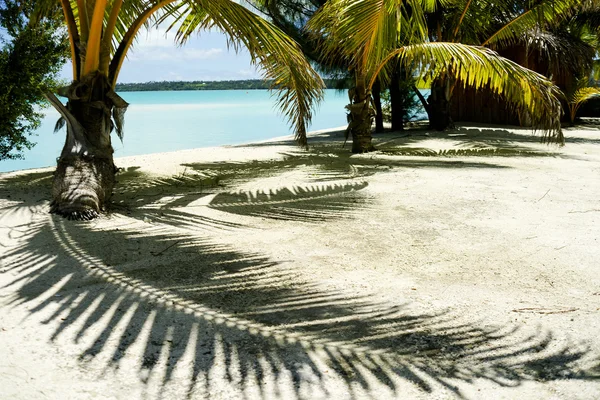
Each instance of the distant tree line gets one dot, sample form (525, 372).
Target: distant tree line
(248, 84)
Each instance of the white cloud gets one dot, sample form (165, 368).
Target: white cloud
(249, 73)
(156, 37)
(156, 44)
(173, 54)
(200, 54)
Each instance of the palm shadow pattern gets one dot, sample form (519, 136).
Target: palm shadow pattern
(212, 306)
(466, 140)
(332, 184)
(329, 194)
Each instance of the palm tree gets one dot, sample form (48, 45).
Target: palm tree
(578, 95)
(579, 39)
(101, 32)
(369, 31)
(292, 16)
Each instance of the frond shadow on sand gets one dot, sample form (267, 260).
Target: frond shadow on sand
(213, 309)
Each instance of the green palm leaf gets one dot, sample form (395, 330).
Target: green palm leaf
(279, 57)
(480, 67)
(517, 22)
(584, 94)
(579, 96)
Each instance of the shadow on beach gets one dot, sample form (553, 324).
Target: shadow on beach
(198, 309)
(465, 140)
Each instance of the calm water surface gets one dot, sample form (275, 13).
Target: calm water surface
(169, 121)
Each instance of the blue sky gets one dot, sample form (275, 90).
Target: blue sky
(155, 57)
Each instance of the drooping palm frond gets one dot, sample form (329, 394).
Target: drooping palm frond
(366, 31)
(299, 87)
(565, 52)
(479, 67)
(481, 152)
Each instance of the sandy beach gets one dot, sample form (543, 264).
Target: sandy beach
(462, 264)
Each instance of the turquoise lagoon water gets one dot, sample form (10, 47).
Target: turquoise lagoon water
(168, 121)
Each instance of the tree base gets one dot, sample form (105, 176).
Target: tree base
(81, 187)
(360, 150)
(441, 123)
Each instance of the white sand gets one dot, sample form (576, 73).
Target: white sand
(264, 271)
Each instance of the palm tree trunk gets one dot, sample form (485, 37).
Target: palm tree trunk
(360, 117)
(378, 110)
(85, 174)
(439, 104)
(396, 102)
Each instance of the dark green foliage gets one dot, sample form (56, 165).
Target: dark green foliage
(248, 84)
(291, 17)
(33, 51)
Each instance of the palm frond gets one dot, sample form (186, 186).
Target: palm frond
(366, 31)
(579, 95)
(376, 32)
(515, 23)
(132, 16)
(565, 53)
(480, 67)
(299, 87)
(584, 94)
(482, 152)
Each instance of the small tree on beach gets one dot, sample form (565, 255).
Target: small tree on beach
(32, 53)
(101, 32)
(578, 95)
(374, 32)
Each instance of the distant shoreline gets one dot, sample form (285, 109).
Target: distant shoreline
(249, 84)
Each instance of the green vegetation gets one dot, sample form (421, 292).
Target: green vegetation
(523, 53)
(581, 93)
(249, 84)
(371, 33)
(31, 56)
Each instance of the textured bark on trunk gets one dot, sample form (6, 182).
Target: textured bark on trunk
(360, 118)
(85, 174)
(82, 186)
(378, 110)
(439, 105)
